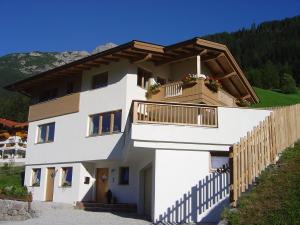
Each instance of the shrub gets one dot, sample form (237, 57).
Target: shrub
(288, 85)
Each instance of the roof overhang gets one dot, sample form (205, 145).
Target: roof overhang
(216, 56)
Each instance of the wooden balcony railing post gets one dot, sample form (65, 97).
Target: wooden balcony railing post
(135, 112)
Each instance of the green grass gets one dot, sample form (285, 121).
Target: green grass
(271, 98)
(11, 176)
(276, 197)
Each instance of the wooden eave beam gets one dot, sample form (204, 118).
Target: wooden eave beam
(247, 96)
(181, 51)
(83, 67)
(213, 58)
(235, 87)
(111, 58)
(145, 58)
(227, 76)
(101, 62)
(134, 53)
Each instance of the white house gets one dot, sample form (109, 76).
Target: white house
(92, 128)
(13, 142)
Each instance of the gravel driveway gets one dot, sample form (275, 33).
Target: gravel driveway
(63, 214)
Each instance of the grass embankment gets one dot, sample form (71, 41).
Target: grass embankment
(271, 98)
(276, 197)
(11, 182)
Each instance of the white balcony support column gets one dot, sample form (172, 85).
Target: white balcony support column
(199, 73)
(198, 65)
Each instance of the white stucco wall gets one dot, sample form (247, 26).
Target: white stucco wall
(60, 194)
(233, 123)
(185, 190)
(175, 173)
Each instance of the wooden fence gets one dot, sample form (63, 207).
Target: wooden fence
(261, 147)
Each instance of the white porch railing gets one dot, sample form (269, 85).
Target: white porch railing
(173, 89)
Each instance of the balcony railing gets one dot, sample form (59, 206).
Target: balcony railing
(196, 92)
(173, 89)
(56, 107)
(174, 113)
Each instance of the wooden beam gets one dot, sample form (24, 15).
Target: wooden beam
(247, 96)
(227, 75)
(101, 62)
(214, 57)
(181, 51)
(111, 58)
(235, 87)
(83, 66)
(202, 52)
(176, 58)
(145, 58)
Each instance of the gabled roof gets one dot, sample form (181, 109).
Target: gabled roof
(12, 124)
(216, 56)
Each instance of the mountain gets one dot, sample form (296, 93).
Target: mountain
(266, 52)
(17, 66)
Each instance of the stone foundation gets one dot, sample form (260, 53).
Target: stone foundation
(14, 210)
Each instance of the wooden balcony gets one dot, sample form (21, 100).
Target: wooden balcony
(174, 113)
(194, 93)
(56, 107)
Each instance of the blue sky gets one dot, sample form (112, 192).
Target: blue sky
(61, 25)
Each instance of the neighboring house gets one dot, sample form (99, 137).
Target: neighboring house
(13, 141)
(92, 128)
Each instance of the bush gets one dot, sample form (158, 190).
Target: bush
(14, 191)
(288, 84)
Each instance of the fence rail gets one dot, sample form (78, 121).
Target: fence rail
(174, 113)
(261, 147)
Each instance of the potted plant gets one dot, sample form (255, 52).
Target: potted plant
(36, 184)
(66, 184)
(242, 102)
(212, 84)
(189, 80)
(153, 89)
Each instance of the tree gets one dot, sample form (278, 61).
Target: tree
(270, 76)
(288, 85)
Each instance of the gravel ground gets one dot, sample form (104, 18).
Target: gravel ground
(64, 214)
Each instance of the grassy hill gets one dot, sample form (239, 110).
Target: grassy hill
(275, 198)
(271, 98)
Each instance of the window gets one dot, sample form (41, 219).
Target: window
(46, 133)
(143, 77)
(48, 95)
(36, 177)
(66, 176)
(105, 123)
(100, 80)
(124, 175)
(219, 159)
(70, 88)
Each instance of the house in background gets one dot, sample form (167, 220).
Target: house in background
(13, 141)
(143, 125)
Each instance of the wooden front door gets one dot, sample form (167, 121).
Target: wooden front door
(148, 192)
(50, 184)
(101, 184)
